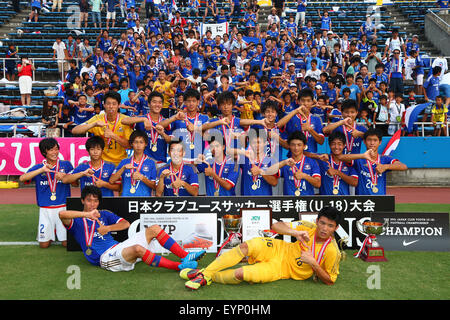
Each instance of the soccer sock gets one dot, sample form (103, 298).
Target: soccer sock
(154, 260)
(226, 277)
(224, 261)
(170, 244)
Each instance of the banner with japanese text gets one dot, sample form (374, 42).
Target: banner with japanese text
(284, 208)
(17, 155)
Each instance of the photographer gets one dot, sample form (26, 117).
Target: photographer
(25, 68)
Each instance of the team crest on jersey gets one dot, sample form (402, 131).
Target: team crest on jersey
(307, 167)
(105, 175)
(145, 168)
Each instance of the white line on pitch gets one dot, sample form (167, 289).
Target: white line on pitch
(23, 243)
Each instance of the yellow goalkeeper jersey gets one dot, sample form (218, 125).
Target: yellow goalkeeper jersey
(113, 151)
(293, 266)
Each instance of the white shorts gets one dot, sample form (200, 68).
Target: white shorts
(112, 259)
(111, 15)
(49, 224)
(419, 80)
(25, 84)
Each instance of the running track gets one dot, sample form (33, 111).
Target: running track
(402, 195)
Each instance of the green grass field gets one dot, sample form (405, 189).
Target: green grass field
(28, 272)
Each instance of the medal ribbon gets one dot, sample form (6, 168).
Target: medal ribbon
(88, 235)
(349, 139)
(114, 127)
(372, 172)
(255, 178)
(192, 134)
(336, 177)
(367, 242)
(308, 121)
(153, 132)
(179, 175)
(222, 166)
(272, 146)
(322, 250)
(94, 178)
(295, 169)
(228, 136)
(140, 163)
(52, 182)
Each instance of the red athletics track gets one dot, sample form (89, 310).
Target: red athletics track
(402, 195)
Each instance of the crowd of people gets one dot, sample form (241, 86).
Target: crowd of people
(169, 110)
(255, 65)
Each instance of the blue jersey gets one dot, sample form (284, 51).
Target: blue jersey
(230, 173)
(100, 243)
(82, 116)
(102, 173)
(290, 186)
(43, 192)
(180, 131)
(161, 146)
(355, 146)
(295, 124)
(262, 187)
(188, 175)
(432, 87)
(326, 23)
(235, 126)
(327, 185)
(365, 184)
(147, 169)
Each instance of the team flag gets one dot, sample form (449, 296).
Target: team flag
(412, 113)
(393, 143)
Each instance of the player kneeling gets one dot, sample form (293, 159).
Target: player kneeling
(91, 229)
(315, 252)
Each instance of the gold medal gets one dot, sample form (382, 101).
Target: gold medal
(297, 192)
(88, 251)
(374, 189)
(335, 191)
(254, 187)
(154, 148)
(53, 197)
(216, 193)
(192, 146)
(132, 190)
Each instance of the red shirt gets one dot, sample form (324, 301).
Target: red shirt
(26, 70)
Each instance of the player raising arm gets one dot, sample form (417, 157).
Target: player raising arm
(109, 126)
(371, 167)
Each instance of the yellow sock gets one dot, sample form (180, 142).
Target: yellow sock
(226, 277)
(224, 261)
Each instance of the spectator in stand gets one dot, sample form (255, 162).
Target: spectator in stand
(84, 13)
(50, 118)
(301, 12)
(36, 6)
(279, 6)
(10, 65)
(396, 72)
(210, 7)
(25, 68)
(57, 2)
(193, 8)
(149, 8)
(60, 53)
(97, 8)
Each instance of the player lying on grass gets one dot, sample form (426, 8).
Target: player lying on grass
(315, 252)
(91, 229)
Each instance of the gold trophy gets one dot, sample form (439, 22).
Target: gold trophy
(370, 250)
(232, 226)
